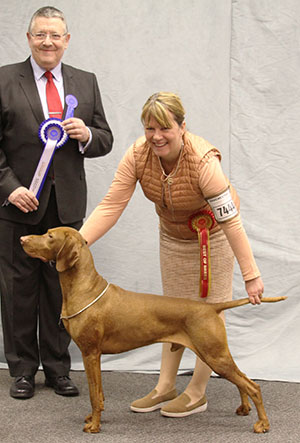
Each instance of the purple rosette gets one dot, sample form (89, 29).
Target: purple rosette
(52, 129)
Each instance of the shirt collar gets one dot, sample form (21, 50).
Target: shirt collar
(39, 72)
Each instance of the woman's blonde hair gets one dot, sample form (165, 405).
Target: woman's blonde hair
(158, 105)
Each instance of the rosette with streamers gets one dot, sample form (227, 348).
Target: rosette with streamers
(202, 222)
(53, 135)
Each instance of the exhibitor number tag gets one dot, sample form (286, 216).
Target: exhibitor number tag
(223, 206)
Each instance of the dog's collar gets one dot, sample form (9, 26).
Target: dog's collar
(83, 309)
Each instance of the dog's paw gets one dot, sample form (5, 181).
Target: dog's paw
(92, 429)
(88, 418)
(243, 410)
(261, 426)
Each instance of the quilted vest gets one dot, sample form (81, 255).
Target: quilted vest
(179, 198)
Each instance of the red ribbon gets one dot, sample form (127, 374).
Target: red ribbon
(202, 222)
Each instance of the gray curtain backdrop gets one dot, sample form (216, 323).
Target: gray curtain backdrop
(236, 65)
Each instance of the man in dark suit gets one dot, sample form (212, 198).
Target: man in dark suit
(30, 290)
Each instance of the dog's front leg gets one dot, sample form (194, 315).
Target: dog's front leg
(93, 373)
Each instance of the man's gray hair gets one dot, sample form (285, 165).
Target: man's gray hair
(49, 12)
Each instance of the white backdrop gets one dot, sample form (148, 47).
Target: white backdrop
(236, 66)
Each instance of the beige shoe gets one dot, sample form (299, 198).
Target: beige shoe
(181, 407)
(152, 401)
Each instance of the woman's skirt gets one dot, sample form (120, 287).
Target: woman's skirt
(180, 268)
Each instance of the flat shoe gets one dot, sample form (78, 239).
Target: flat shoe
(22, 387)
(181, 406)
(152, 401)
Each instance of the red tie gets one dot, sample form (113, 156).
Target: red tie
(54, 104)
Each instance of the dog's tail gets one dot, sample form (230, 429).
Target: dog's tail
(219, 307)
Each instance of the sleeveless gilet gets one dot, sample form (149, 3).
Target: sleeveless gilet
(177, 200)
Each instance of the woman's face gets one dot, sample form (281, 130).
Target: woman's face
(165, 142)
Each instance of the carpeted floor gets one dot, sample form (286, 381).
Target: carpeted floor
(50, 418)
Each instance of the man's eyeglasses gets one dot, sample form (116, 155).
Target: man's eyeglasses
(41, 36)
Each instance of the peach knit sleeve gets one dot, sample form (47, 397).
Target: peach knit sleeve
(213, 182)
(108, 211)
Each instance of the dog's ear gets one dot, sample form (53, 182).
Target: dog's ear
(68, 254)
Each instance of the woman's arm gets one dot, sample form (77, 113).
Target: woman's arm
(109, 210)
(213, 182)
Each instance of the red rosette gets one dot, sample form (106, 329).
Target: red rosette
(203, 219)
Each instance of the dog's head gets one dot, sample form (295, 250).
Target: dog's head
(62, 245)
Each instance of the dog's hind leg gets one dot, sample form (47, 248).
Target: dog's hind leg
(93, 373)
(225, 367)
(210, 344)
(248, 387)
(245, 407)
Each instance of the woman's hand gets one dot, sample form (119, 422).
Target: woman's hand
(255, 289)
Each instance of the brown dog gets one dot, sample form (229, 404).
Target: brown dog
(121, 320)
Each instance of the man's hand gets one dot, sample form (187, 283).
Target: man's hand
(75, 128)
(24, 199)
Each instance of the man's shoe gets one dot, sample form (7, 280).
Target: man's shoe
(22, 387)
(62, 385)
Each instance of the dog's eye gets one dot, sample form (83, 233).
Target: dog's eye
(50, 235)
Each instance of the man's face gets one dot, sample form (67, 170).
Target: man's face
(46, 47)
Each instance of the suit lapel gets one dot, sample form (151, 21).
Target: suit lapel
(28, 85)
(69, 85)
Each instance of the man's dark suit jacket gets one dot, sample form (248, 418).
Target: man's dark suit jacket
(20, 147)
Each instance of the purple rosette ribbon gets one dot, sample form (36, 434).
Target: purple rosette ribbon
(53, 135)
(72, 103)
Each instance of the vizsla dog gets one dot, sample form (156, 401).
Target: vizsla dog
(103, 318)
